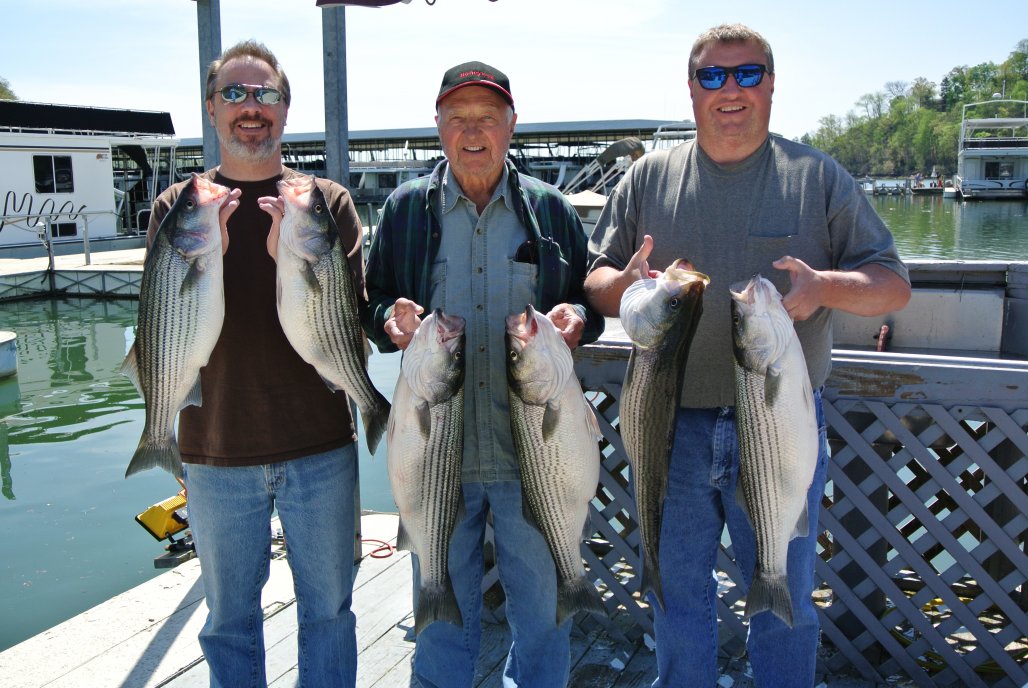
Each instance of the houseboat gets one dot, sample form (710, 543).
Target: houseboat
(992, 161)
(71, 175)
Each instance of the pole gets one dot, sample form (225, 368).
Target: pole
(208, 30)
(337, 149)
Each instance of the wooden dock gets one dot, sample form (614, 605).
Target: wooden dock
(147, 636)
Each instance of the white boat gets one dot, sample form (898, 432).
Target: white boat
(992, 161)
(71, 175)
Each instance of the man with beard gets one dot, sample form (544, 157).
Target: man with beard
(270, 434)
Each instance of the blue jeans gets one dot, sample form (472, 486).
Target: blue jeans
(700, 501)
(229, 513)
(540, 655)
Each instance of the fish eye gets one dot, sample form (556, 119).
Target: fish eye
(190, 205)
(458, 356)
(513, 355)
(673, 303)
(318, 208)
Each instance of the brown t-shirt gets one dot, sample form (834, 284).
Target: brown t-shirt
(262, 403)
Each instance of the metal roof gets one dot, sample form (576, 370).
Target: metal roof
(18, 114)
(541, 130)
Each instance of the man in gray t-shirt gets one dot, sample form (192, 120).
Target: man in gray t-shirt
(735, 202)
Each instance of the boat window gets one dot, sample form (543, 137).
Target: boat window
(64, 229)
(999, 170)
(53, 174)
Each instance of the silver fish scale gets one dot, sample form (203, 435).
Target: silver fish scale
(334, 322)
(544, 477)
(648, 407)
(168, 330)
(767, 450)
(440, 481)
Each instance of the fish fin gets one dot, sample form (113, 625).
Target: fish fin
(375, 418)
(577, 595)
(802, 528)
(310, 278)
(156, 455)
(551, 418)
(651, 579)
(403, 540)
(424, 415)
(437, 603)
(130, 368)
(772, 385)
(331, 385)
(770, 593)
(195, 396)
(193, 275)
(591, 423)
(740, 499)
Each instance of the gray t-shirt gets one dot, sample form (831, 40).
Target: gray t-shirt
(732, 222)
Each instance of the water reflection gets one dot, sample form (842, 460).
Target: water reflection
(68, 423)
(946, 229)
(9, 398)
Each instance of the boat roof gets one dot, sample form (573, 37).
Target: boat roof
(76, 119)
(997, 122)
(572, 130)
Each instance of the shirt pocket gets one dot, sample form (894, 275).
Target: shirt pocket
(521, 289)
(437, 287)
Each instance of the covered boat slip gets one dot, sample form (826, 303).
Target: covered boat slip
(922, 569)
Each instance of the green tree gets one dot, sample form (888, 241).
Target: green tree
(5, 90)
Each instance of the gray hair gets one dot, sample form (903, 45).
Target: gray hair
(252, 49)
(729, 33)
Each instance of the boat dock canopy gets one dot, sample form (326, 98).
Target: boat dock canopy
(74, 119)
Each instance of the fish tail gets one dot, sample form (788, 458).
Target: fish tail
(150, 454)
(437, 603)
(770, 592)
(577, 595)
(651, 580)
(376, 420)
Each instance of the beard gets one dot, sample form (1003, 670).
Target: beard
(251, 151)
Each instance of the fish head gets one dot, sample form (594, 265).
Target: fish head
(539, 362)
(433, 364)
(651, 308)
(193, 225)
(761, 327)
(308, 229)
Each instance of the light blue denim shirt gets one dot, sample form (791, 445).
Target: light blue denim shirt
(475, 277)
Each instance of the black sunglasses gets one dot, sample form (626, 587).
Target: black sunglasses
(714, 77)
(236, 93)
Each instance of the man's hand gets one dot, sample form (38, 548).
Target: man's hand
(228, 206)
(568, 323)
(403, 322)
(804, 296)
(276, 207)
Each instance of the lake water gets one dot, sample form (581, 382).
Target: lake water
(69, 423)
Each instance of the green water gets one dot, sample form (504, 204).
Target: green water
(69, 423)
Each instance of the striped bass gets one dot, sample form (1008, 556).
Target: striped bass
(181, 311)
(660, 317)
(317, 302)
(555, 433)
(778, 437)
(426, 443)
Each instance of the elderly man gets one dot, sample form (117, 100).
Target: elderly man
(480, 240)
(738, 201)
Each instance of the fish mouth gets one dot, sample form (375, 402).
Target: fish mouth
(522, 327)
(449, 329)
(298, 190)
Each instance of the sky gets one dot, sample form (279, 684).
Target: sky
(567, 60)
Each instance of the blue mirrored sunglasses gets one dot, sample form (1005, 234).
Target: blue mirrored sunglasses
(747, 75)
(236, 93)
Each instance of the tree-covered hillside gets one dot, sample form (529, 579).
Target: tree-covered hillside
(914, 127)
